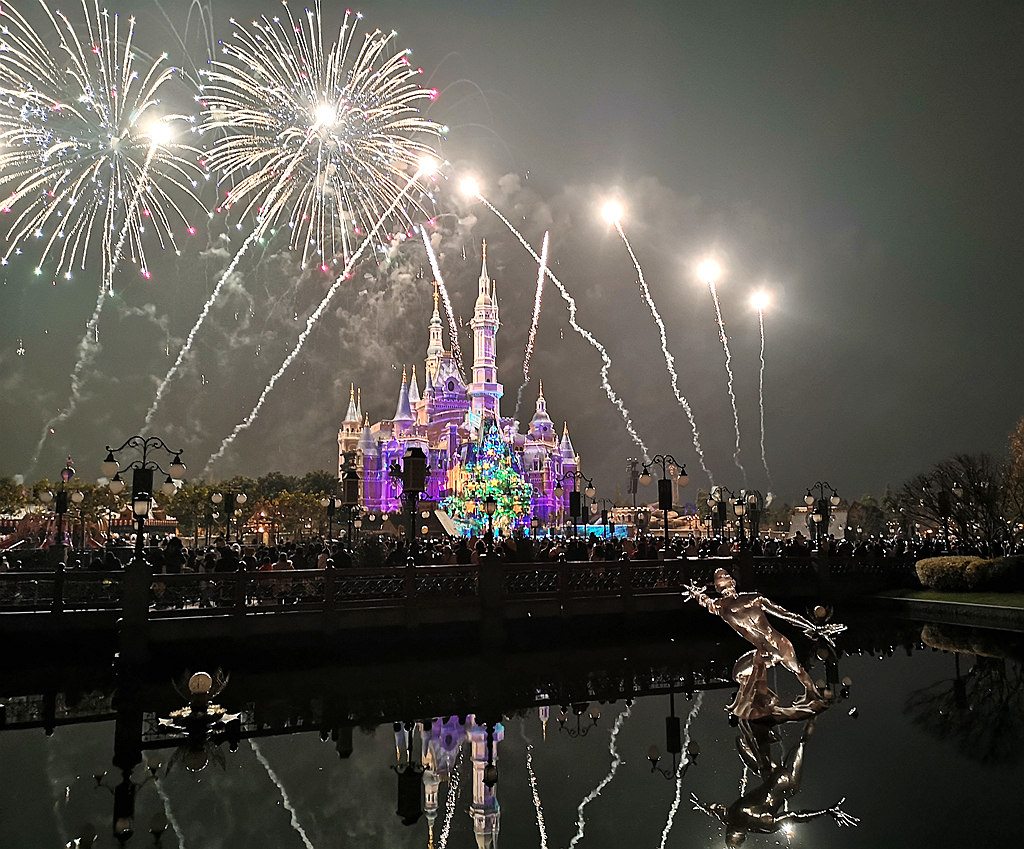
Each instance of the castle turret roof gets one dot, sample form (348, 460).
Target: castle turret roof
(403, 412)
(352, 415)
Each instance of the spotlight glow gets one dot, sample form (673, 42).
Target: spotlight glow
(760, 301)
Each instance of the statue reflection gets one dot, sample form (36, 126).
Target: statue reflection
(746, 614)
(763, 809)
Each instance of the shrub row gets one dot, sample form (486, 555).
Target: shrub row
(968, 574)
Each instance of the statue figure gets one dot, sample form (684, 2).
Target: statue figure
(746, 614)
(763, 809)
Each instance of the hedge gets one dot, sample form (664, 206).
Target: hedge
(966, 574)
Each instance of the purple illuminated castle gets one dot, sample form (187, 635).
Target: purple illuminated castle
(472, 450)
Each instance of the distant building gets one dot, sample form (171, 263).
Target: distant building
(472, 450)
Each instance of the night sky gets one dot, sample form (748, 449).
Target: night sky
(860, 162)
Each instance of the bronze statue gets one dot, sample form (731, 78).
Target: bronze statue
(763, 809)
(746, 614)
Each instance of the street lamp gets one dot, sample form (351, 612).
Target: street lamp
(822, 507)
(669, 469)
(332, 503)
(604, 504)
(576, 506)
(755, 510)
(143, 469)
(490, 508)
(413, 474)
(60, 506)
(718, 502)
(578, 709)
(231, 501)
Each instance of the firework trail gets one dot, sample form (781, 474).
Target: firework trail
(321, 139)
(452, 327)
(86, 153)
(451, 799)
(728, 371)
(536, 797)
(760, 388)
(542, 265)
(296, 825)
(586, 334)
(616, 761)
(253, 237)
(679, 780)
(310, 323)
(669, 359)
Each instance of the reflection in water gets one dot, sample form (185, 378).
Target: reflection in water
(296, 825)
(450, 762)
(981, 710)
(536, 796)
(581, 823)
(688, 744)
(764, 808)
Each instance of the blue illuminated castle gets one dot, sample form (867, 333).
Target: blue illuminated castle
(473, 451)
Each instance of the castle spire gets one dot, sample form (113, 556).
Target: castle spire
(403, 412)
(352, 415)
(414, 389)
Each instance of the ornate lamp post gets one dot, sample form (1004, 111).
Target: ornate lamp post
(669, 469)
(143, 470)
(231, 501)
(60, 506)
(578, 709)
(490, 508)
(718, 502)
(413, 474)
(739, 507)
(604, 504)
(822, 507)
(674, 746)
(755, 510)
(331, 503)
(577, 507)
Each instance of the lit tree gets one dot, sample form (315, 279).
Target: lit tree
(490, 471)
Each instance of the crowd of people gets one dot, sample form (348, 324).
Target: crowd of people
(169, 555)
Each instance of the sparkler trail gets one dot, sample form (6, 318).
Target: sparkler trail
(79, 137)
(452, 326)
(586, 334)
(728, 370)
(542, 265)
(536, 797)
(616, 760)
(296, 825)
(760, 305)
(312, 320)
(679, 779)
(319, 138)
(669, 359)
(253, 237)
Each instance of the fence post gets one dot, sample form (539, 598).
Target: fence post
(59, 574)
(134, 623)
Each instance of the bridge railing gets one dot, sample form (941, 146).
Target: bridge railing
(68, 591)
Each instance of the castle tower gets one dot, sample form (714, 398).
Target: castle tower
(435, 347)
(484, 392)
(403, 411)
(350, 431)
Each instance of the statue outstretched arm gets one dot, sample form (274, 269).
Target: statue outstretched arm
(700, 595)
(836, 812)
(821, 630)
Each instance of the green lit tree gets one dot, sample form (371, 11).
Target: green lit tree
(490, 471)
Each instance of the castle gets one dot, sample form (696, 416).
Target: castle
(473, 452)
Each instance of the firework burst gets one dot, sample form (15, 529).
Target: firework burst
(90, 158)
(321, 140)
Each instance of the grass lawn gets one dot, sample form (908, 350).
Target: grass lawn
(997, 599)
